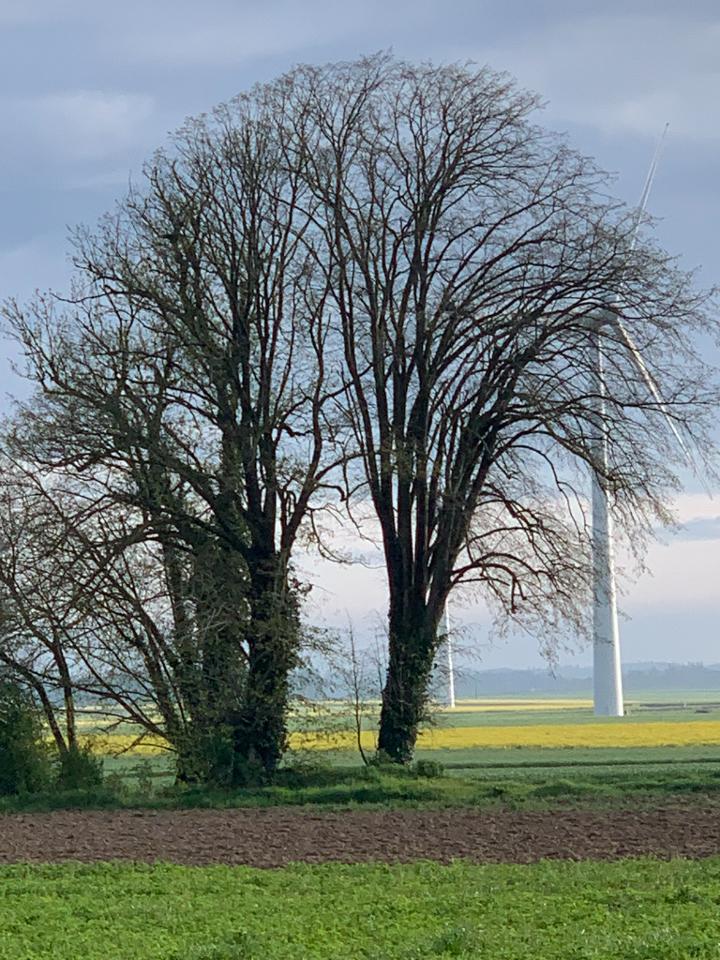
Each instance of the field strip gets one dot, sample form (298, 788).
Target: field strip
(489, 706)
(551, 735)
(276, 836)
(555, 910)
(652, 734)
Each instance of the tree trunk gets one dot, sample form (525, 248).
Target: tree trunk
(212, 669)
(411, 652)
(260, 731)
(204, 755)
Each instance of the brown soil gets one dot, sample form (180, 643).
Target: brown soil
(277, 836)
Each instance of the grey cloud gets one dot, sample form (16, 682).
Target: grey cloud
(38, 262)
(21, 13)
(220, 34)
(194, 39)
(624, 73)
(88, 89)
(78, 124)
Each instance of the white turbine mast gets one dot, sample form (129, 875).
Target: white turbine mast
(449, 659)
(607, 670)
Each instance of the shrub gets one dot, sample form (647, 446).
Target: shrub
(206, 757)
(428, 768)
(381, 759)
(24, 760)
(79, 769)
(143, 773)
(115, 784)
(306, 767)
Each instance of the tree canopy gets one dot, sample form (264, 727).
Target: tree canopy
(369, 284)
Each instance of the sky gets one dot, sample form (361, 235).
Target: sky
(88, 88)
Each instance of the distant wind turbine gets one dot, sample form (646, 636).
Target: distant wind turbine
(607, 671)
(449, 660)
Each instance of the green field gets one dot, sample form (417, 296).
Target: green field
(629, 910)
(658, 705)
(656, 712)
(484, 785)
(626, 910)
(472, 775)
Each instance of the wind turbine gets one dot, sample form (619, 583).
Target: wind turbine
(607, 672)
(449, 660)
(607, 669)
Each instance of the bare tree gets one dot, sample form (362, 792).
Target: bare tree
(468, 253)
(31, 648)
(194, 352)
(97, 606)
(413, 223)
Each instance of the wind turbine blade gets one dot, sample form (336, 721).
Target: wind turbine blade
(653, 388)
(644, 197)
(649, 180)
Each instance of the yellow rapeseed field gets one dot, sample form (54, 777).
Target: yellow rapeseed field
(656, 734)
(526, 706)
(600, 734)
(116, 743)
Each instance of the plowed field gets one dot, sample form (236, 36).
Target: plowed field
(277, 836)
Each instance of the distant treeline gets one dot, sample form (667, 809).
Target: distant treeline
(637, 677)
(565, 680)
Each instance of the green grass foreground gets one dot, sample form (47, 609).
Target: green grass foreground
(486, 785)
(629, 910)
(488, 778)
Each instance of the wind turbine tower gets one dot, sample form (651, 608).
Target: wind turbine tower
(449, 660)
(607, 668)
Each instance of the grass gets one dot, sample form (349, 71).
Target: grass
(337, 787)
(520, 751)
(642, 715)
(629, 910)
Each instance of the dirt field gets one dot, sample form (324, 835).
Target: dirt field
(277, 836)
